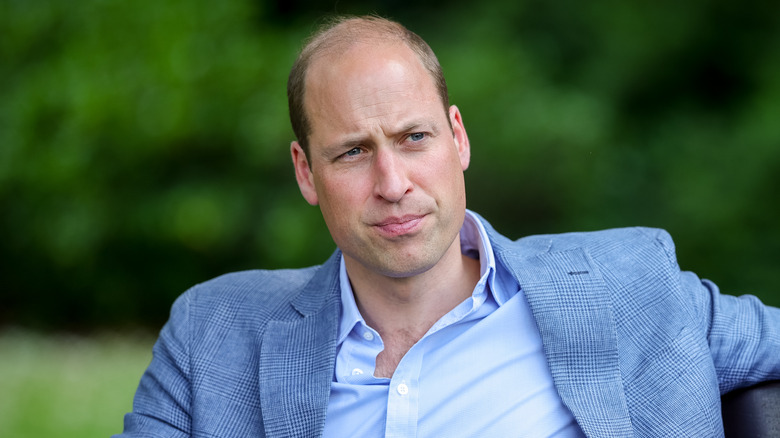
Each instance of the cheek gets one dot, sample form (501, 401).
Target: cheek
(338, 197)
(443, 172)
(444, 180)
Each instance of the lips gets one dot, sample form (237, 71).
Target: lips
(398, 226)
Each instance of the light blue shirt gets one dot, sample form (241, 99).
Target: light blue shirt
(479, 371)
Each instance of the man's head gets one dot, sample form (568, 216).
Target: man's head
(385, 159)
(336, 37)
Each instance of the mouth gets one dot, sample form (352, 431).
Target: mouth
(399, 226)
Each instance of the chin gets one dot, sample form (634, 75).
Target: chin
(405, 272)
(406, 267)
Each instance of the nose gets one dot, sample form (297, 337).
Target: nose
(391, 179)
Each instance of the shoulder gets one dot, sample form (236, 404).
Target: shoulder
(609, 238)
(637, 265)
(614, 245)
(614, 242)
(258, 284)
(250, 296)
(629, 252)
(620, 256)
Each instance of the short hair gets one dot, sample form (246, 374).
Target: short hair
(340, 33)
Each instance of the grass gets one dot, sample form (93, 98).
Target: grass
(67, 386)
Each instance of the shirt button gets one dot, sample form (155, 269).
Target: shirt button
(357, 372)
(403, 389)
(368, 336)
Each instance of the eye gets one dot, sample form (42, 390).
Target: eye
(417, 136)
(352, 152)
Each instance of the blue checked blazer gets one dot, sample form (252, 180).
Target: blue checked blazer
(636, 347)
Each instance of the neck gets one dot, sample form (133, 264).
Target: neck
(411, 305)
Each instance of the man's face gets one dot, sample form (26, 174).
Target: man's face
(385, 167)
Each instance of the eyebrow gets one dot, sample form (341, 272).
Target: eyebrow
(353, 140)
(335, 148)
(417, 124)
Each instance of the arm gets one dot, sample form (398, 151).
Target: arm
(744, 338)
(743, 334)
(161, 407)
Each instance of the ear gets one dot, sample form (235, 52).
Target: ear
(303, 174)
(460, 136)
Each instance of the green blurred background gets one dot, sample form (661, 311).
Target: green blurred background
(144, 146)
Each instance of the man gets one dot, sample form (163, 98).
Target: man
(425, 321)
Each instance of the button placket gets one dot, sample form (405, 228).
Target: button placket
(403, 397)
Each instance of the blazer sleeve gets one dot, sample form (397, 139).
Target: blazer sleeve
(161, 407)
(742, 332)
(744, 338)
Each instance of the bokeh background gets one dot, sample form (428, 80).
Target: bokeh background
(144, 147)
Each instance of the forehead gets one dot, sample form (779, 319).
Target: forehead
(367, 82)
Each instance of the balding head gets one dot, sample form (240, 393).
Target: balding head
(335, 38)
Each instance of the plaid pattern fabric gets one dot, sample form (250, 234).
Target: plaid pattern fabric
(636, 347)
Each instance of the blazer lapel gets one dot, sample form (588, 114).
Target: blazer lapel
(574, 314)
(296, 359)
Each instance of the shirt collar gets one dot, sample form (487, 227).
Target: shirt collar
(474, 242)
(350, 315)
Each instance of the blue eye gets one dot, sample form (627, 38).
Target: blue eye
(352, 152)
(417, 136)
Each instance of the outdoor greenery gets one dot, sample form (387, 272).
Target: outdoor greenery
(67, 386)
(144, 146)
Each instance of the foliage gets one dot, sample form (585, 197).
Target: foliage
(144, 145)
(144, 149)
(68, 386)
(618, 114)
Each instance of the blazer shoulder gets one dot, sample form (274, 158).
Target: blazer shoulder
(271, 284)
(255, 293)
(580, 238)
(615, 240)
